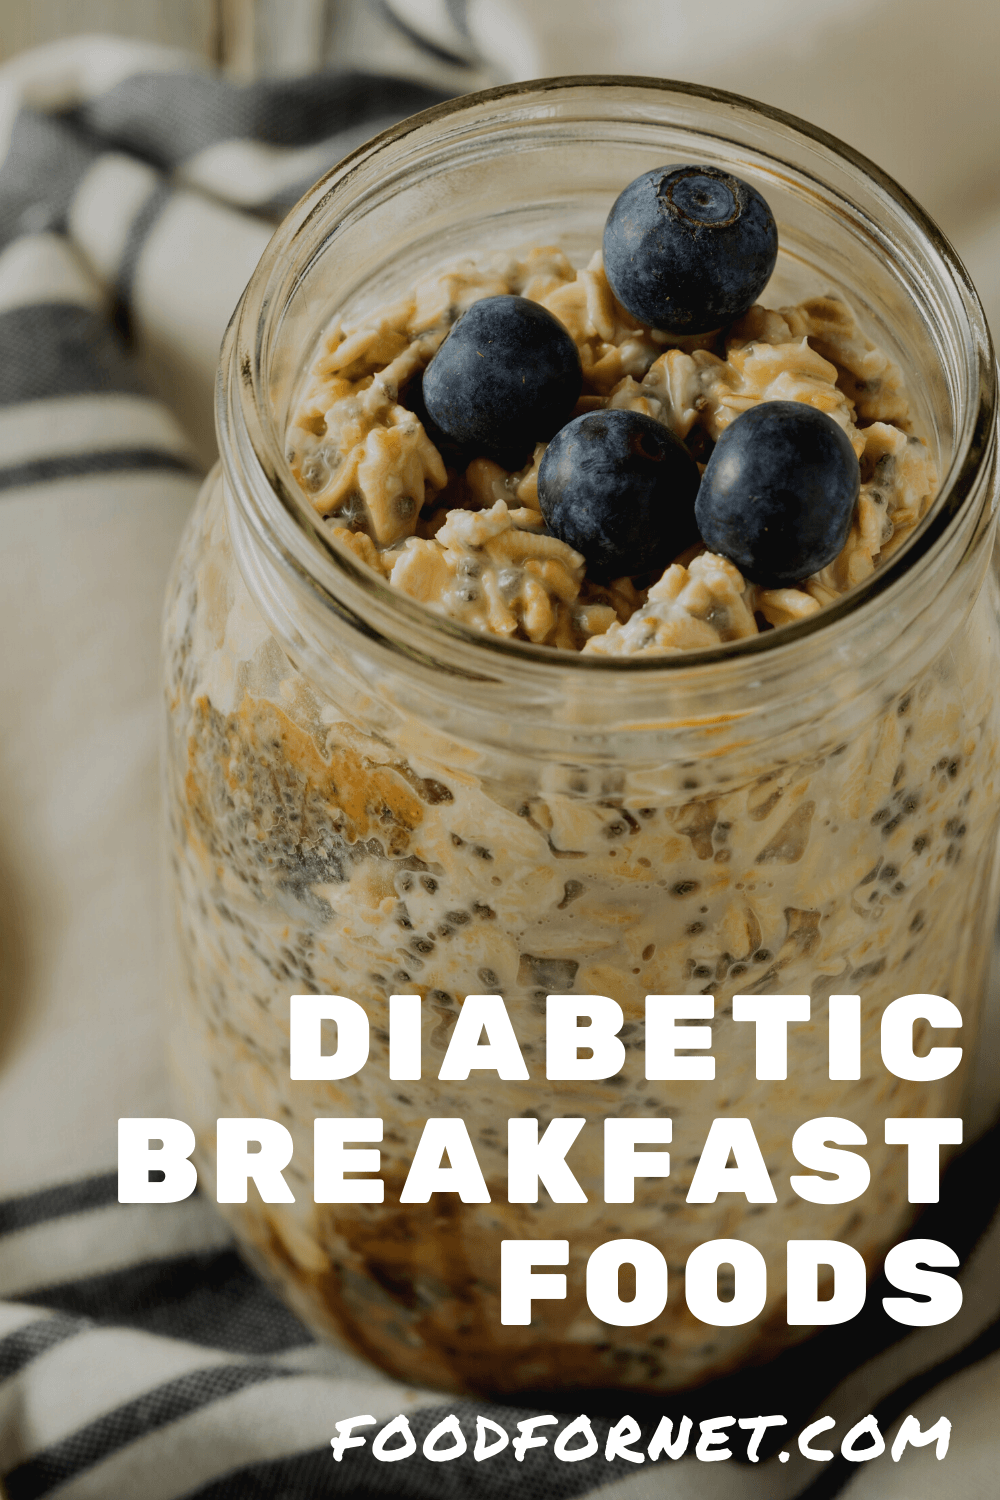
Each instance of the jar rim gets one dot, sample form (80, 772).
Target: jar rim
(287, 526)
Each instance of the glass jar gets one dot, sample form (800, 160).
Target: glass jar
(365, 798)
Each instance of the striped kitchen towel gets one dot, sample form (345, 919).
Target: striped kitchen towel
(139, 1358)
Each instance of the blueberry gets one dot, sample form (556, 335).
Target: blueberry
(620, 488)
(455, 455)
(687, 249)
(507, 376)
(779, 491)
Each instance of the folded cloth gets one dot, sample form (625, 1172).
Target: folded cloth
(138, 1356)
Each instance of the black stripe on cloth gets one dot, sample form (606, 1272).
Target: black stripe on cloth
(166, 118)
(139, 231)
(389, 13)
(104, 461)
(840, 1471)
(41, 172)
(56, 1202)
(209, 1298)
(97, 1440)
(62, 349)
(359, 1476)
(313, 1475)
(19, 1348)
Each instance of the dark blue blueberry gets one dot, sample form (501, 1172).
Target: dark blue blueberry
(687, 249)
(779, 491)
(455, 455)
(620, 488)
(506, 377)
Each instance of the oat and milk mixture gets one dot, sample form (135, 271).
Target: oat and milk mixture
(472, 544)
(319, 851)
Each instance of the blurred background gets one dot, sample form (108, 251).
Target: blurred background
(147, 148)
(912, 83)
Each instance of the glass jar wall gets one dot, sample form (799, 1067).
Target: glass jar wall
(366, 799)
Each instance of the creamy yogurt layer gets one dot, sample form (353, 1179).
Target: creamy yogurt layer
(470, 542)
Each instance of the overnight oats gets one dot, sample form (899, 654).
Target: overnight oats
(480, 681)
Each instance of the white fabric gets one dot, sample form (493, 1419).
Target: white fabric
(909, 83)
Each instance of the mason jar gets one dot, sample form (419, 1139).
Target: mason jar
(365, 798)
